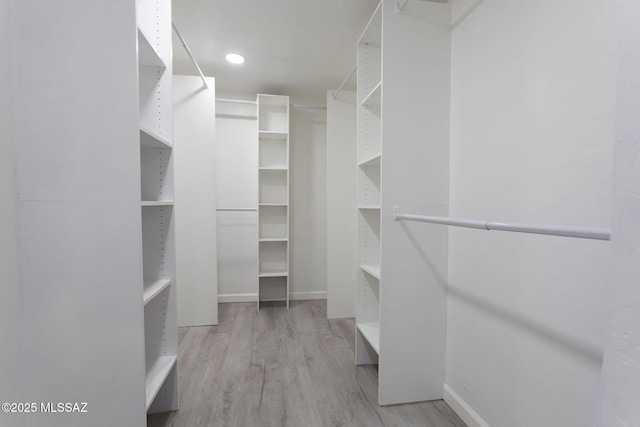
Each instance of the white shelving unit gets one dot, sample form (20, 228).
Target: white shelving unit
(369, 196)
(95, 201)
(273, 198)
(157, 193)
(402, 160)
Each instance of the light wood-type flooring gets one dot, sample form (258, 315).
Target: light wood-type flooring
(277, 368)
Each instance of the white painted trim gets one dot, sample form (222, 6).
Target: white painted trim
(296, 296)
(225, 298)
(460, 407)
(249, 297)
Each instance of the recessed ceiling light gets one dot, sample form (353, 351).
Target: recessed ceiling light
(234, 58)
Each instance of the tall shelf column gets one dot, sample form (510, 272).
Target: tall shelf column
(402, 160)
(157, 204)
(369, 156)
(273, 198)
(95, 192)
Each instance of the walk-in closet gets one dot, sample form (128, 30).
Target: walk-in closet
(337, 213)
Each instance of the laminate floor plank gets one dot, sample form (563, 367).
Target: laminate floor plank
(277, 367)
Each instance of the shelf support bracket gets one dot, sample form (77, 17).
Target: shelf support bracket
(184, 44)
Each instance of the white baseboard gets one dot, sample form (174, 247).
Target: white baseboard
(293, 296)
(460, 407)
(296, 296)
(225, 298)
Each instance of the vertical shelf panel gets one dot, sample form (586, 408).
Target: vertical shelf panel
(369, 149)
(155, 98)
(402, 156)
(273, 198)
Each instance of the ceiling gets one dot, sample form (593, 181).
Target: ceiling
(298, 48)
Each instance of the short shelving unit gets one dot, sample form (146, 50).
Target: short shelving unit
(273, 198)
(156, 205)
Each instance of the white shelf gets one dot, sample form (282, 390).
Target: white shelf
(369, 207)
(275, 274)
(273, 204)
(371, 269)
(273, 239)
(267, 134)
(372, 33)
(154, 288)
(371, 332)
(374, 97)
(370, 161)
(147, 55)
(149, 139)
(147, 203)
(156, 376)
(274, 168)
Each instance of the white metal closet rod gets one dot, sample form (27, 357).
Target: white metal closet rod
(237, 209)
(236, 101)
(246, 101)
(400, 6)
(344, 82)
(554, 230)
(184, 44)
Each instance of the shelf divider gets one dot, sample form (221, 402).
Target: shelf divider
(151, 203)
(157, 375)
(147, 55)
(371, 269)
(154, 288)
(371, 161)
(275, 274)
(149, 139)
(371, 332)
(373, 98)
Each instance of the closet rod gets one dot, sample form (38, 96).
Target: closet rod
(400, 6)
(308, 107)
(554, 230)
(236, 209)
(184, 44)
(344, 82)
(236, 101)
(245, 101)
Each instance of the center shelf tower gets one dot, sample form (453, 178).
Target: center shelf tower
(273, 198)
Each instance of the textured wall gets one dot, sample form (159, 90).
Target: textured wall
(533, 104)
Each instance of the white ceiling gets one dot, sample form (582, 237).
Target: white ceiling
(299, 48)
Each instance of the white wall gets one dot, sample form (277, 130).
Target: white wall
(533, 100)
(237, 187)
(195, 203)
(341, 205)
(308, 252)
(620, 391)
(11, 375)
